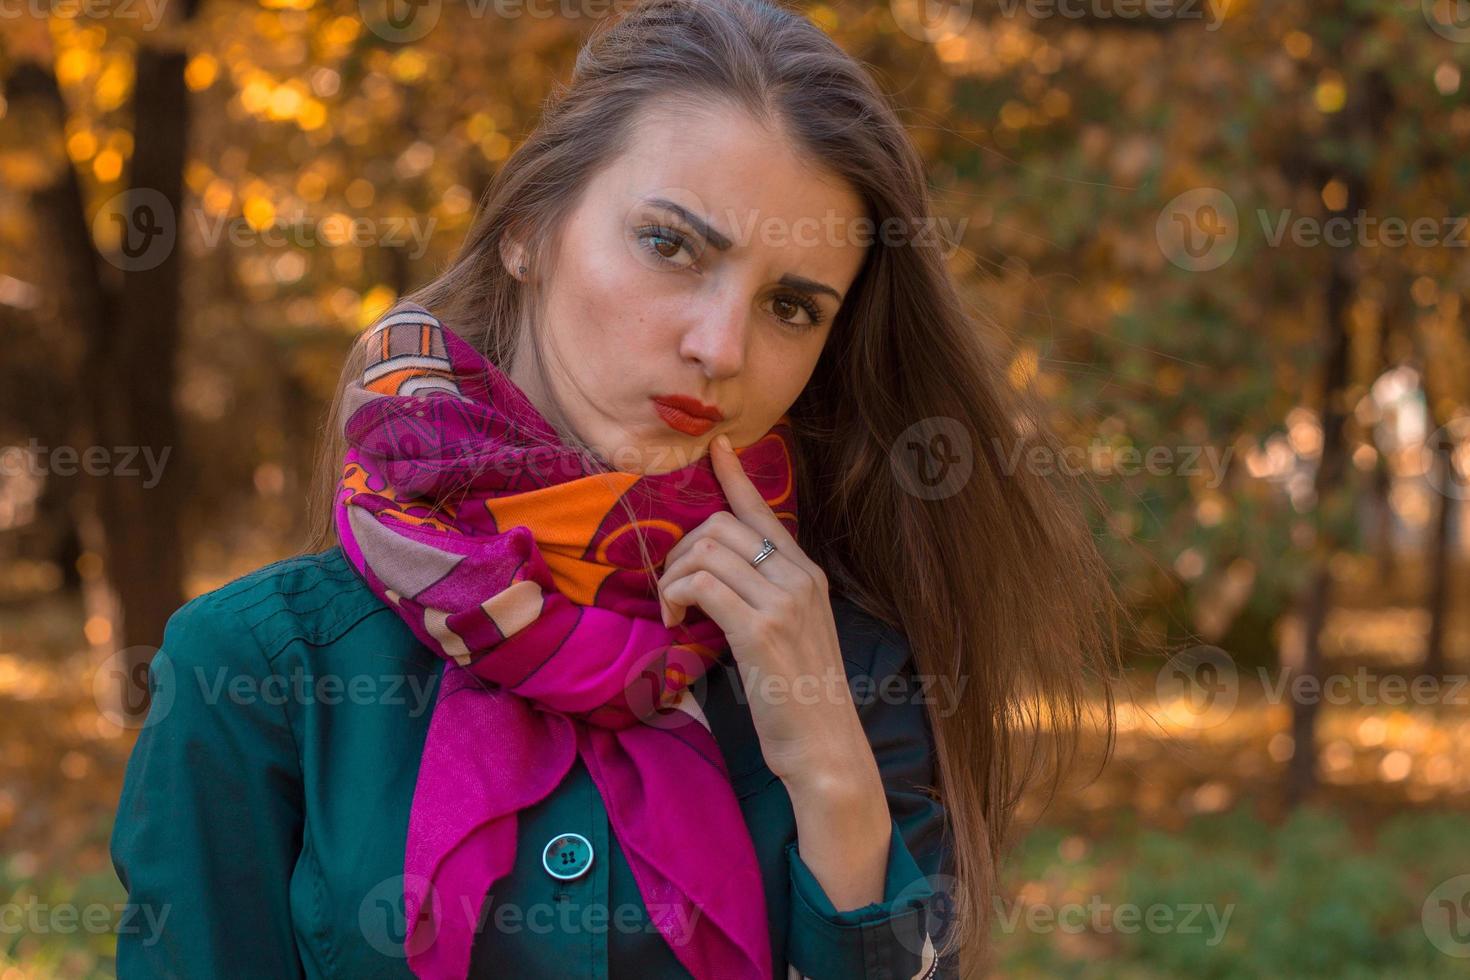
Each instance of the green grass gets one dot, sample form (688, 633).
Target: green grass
(57, 921)
(1304, 899)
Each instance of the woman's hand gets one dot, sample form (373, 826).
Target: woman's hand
(777, 617)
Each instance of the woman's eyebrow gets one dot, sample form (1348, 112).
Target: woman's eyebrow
(809, 285)
(716, 239)
(723, 243)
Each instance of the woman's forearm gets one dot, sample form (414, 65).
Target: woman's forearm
(843, 828)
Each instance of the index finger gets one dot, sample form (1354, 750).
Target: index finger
(746, 501)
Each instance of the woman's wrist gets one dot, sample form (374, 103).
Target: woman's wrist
(836, 771)
(843, 782)
(843, 828)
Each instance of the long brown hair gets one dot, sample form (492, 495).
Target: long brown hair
(996, 580)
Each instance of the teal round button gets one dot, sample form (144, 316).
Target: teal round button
(567, 856)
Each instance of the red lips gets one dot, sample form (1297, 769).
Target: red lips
(688, 415)
(691, 406)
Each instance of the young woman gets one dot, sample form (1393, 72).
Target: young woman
(573, 686)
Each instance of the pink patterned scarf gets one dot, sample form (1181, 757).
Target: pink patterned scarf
(505, 555)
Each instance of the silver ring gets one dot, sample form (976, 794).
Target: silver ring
(766, 549)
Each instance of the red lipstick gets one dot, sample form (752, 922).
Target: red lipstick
(689, 415)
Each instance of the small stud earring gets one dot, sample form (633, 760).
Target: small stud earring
(523, 270)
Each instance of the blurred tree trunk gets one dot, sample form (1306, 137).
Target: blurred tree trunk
(1341, 282)
(1437, 545)
(131, 325)
(1382, 488)
(133, 369)
(1393, 323)
(1439, 564)
(1353, 126)
(36, 391)
(83, 302)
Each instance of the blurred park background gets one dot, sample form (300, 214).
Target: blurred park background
(1228, 241)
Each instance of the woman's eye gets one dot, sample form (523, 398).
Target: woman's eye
(666, 248)
(787, 307)
(663, 245)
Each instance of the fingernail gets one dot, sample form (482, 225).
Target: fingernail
(723, 440)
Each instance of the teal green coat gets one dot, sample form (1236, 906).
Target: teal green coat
(265, 807)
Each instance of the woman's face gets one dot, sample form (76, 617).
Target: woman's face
(727, 302)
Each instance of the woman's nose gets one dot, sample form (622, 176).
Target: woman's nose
(716, 340)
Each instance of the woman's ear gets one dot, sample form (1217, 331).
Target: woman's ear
(513, 257)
